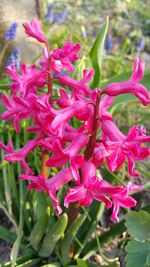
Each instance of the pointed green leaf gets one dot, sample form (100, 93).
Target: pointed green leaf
(53, 235)
(15, 249)
(39, 204)
(38, 231)
(68, 238)
(96, 53)
(95, 212)
(137, 253)
(138, 224)
(32, 262)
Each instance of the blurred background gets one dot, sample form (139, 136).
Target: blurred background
(80, 20)
(77, 21)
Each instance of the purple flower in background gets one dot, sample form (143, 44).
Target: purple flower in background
(14, 58)
(140, 45)
(89, 32)
(56, 18)
(50, 13)
(11, 33)
(108, 42)
(60, 17)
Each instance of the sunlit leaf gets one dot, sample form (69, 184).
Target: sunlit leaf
(96, 53)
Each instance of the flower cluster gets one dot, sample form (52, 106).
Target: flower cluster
(83, 148)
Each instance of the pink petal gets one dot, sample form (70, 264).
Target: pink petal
(32, 28)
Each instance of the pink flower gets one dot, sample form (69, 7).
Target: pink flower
(7, 148)
(120, 147)
(90, 188)
(26, 82)
(132, 85)
(70, 153)
(94, 188)
(32, 28)
(79, 87)
(50, 186)
(122, 199)
(65, 99)
(62, 117)
(66, 55)
(17, 109)
(21, 155)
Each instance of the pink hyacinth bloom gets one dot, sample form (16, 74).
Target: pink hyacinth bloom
(17, 109)
(120, 147)
(79, 87)
(7, 148)
(21, 155)
(62, 156)
(122, 199)
(132, 85)
(33, 29)
(65, 99)
(66, 55)
(50, 186)
(94, 188)
(26, 82)
(63, 116)
(91, 188)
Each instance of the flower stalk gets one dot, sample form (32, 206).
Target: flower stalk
(92, 140)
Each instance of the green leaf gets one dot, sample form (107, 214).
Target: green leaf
(29, 263)
(137, 253)
(53, 235)
(94, 213)
(7, 235)
(15, 249)
(148, 260)
(16, 245)
(38, 231)
(55, 264)
(68, 238)
(96, 53)
(107, 237)
(83, 263)
(39, 204)
(138, 225)
(22, 261)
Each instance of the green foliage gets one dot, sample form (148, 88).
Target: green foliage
(138, 225)
(54, 233)
(138, 251)
(96, 54)
(138, 254)
(65, 244)
(38, 231)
